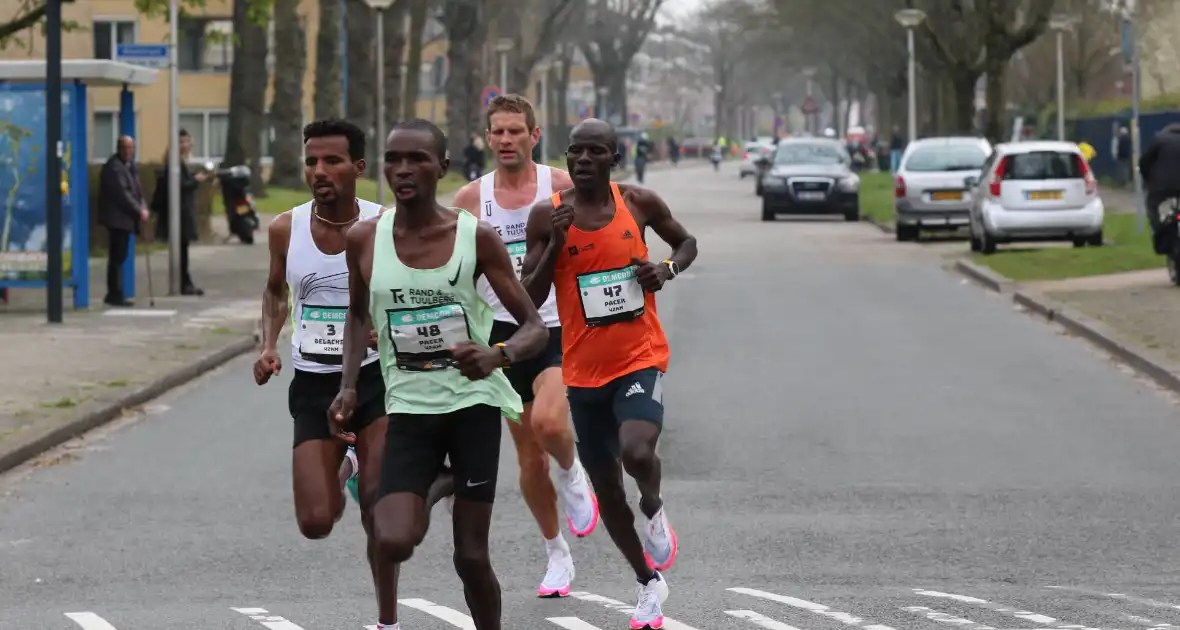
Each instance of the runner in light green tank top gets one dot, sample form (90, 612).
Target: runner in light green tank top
(413, 273)
(420, 315)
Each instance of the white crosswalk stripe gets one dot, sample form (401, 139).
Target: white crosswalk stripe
(1025, 615)
(762, 621)
(819, 609)
(273, 622)
(573, 623)
(614, 604)
(90, 621)
(449, 615)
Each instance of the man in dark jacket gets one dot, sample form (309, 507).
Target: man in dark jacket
(189, 183)
(121, 209)
(1160, 166)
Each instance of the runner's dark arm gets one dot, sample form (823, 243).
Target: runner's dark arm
(532, 336)
(536, 272)
(356, 329)
(657, 216)
(274, 296)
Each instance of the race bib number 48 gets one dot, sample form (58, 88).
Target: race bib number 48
(423, 337)
(610, 296)
(321, 332)
(516, 252)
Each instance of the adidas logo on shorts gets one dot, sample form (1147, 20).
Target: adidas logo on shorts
(635, 388)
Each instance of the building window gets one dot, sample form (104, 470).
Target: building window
(205, 45)
(104, 133)
(208, 131)
(110, 33)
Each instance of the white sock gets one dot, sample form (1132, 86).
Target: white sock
(395, 626)
(566, 474)
(350, 454)
(557, 544)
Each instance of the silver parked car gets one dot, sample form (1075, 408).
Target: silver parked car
(928, 188)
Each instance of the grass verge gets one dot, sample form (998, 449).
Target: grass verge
(876, 197)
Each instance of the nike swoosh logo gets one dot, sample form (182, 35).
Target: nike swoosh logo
(472, 485)
(455, 280)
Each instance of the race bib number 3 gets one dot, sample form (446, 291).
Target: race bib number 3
(321, 333)
(516, 252)
(423, 337)
(610, 296)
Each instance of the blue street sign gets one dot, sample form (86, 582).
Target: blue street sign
(146, 55)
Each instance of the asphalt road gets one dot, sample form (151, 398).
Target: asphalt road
(855, 438)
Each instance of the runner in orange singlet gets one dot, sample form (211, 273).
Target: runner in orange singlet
(589, 242)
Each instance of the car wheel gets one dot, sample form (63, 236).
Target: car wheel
(905, 232)
(976, 245)
(1095, 240)
(767, 211)
(987, 244)
(1173, 269)
(852, 215)
(1079, 242)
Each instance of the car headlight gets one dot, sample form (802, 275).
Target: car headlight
(850, 183)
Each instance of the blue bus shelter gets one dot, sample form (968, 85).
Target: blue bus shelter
(23, 241)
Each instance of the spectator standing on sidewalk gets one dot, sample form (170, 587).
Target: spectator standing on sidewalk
(121, 210)
(1122, 157)
(189, 183)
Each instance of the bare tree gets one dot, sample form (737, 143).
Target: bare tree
(327, 60)
(419, 14)
(534, 26)
(286, 109)
(615, 30)
(466, 23)
(247, 88)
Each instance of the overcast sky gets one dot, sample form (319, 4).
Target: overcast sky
(679, 8)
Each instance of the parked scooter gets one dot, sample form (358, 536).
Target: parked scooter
(240, 211)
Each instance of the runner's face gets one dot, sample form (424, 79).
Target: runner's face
(511, 141)
(330, 172)
(412, 167)
(589, 157)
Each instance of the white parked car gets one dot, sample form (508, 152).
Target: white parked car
(1035, 191)
(751, 152)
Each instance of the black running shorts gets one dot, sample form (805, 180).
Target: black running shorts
(311, 394)
(598, 412)
(416, 445)
(522, 374)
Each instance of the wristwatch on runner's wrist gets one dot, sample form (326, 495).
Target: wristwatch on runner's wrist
(673, 268)
(504, 353)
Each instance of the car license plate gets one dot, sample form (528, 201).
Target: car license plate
(1044, 195)
(811, 196)
(946, 196)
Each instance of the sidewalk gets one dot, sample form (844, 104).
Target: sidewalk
(1117, 200)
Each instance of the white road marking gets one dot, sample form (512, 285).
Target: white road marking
(90, 621)
(761, 621)
(449, 615)
(1142, 601)
(126, 312)
(614, 604)
(573, 623)
(1026, 615)
(819, 609)
(941, 617)
(274, 622)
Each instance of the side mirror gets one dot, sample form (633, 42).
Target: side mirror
(971, 181)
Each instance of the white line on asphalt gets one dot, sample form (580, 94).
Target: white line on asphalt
(449, 615)
(761, 621)
(819, 609)
(941, 617)
(140, 313)
(1026, 615)
(573, 623)
(614, 604)
(1142, 601)
(274, 622)
(90, 621)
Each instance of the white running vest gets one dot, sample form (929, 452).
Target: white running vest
(318, 285)
(511, 224)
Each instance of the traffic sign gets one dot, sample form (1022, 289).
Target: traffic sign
(490, 92)
(146, 55)
(809, 106)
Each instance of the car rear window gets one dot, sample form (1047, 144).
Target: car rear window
(963, 157)
(1043, 165)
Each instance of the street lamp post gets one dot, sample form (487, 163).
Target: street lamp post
(1061, 23)
(543, 108)
(504, 45)
(174, 233)
(379, 7)
(1131, 42)
(909, 19)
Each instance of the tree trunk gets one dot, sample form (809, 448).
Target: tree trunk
(993, 126)
(395, 45)
(560, 127)
(963, 81)
(286, 108)
(361, 91)
(466, 34)
(247, 95)
(327, 60)
(617, 84)
(414, 58)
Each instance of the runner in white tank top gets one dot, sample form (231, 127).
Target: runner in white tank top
(504, 198)
(308, 286)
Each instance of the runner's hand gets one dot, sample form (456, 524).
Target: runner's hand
(475, 361)
(267, 365)
(340, 413)
(562, 218)
(651, 276)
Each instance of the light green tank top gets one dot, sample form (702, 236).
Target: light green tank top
(420, 314)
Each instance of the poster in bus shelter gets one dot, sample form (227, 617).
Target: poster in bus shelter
(23, 236)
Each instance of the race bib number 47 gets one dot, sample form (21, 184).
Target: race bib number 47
(321, 331)
(610, 296)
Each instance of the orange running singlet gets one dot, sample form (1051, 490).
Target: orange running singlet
(609, 324)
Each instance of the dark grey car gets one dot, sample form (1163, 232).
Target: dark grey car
(810, 176)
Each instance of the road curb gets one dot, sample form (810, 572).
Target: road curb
(884, 227)
(983, 276)
(22, 451)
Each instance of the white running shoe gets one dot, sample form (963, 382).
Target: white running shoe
(579, 501)
(660, 545)
(558, 576)
(649, 612)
